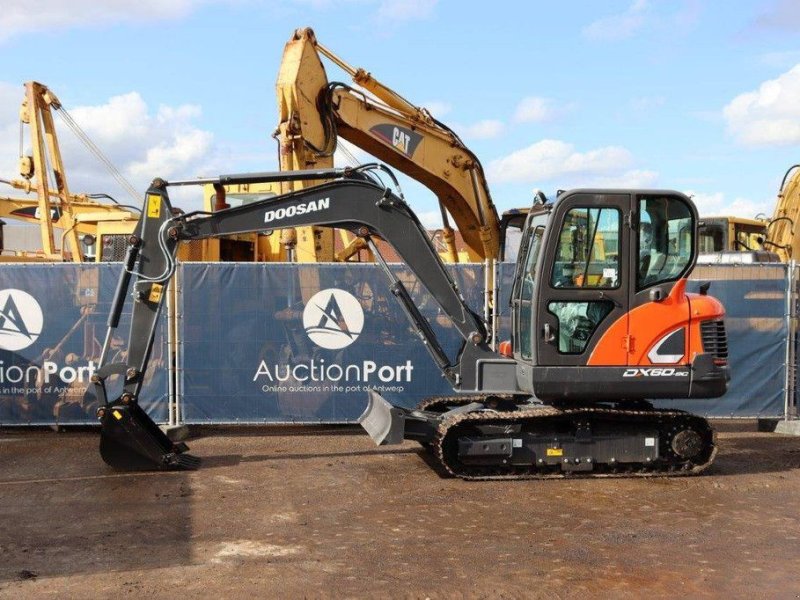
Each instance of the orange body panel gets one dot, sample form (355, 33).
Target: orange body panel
(632, 336)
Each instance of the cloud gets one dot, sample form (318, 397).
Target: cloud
(633, 178)
(717, 203)
(781, 15)
(437, 108)
(22, 16)
(644, 104)
(780, 60)
(619, 26)
(405, 10)
(482, 130)
(643, 15)
(768, 116)
(141, 141)
(350, 155)
(559, 162)
(535, 109)
(10, 99)
(430, 219)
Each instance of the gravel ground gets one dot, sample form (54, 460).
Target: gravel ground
(321, 512)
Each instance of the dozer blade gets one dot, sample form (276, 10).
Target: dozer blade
(131, 441)
(384, 422)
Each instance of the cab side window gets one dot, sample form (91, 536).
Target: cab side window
(588, 249)
(528, 282)
(666, 240)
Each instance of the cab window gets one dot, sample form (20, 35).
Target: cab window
(666, 240)
(588, 249)
(527, 286)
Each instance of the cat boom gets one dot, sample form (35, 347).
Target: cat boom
(601, 325)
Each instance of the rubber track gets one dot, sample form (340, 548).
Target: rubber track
(438, 403)
(642, 470)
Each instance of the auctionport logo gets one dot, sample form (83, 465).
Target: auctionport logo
(333, 319)
(21, 319)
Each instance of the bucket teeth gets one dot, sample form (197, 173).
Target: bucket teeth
(184, 462)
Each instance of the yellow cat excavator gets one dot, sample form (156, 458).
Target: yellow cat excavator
(314, 113)
(783, 230)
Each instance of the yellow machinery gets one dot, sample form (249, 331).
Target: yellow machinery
(55, 206)
(67, 219)
(265, 246)
(758, 240)
(783, 230)
(314, 113)
(719, 234)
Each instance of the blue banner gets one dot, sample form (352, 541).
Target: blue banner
(52, 326)
(754, 297)
(302, 343)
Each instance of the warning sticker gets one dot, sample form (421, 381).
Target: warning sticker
(153, 206)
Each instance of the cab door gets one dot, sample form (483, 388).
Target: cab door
(585, 283)
(665, 252)
(522, 294)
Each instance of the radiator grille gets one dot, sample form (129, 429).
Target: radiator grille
(113, 247)
(715, 340)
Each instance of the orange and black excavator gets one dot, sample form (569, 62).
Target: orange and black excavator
(602, 324)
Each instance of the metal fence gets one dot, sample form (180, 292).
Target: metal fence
(256, 343)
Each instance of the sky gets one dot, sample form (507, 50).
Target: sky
(697, 96)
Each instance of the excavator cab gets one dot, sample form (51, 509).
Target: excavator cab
(599, 302)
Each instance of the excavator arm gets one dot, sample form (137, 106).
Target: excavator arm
(352, 201)
(314, 113)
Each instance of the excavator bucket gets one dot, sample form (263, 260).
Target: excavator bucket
(131, 441)
(384, 422)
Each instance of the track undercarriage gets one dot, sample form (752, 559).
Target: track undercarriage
(497, 437)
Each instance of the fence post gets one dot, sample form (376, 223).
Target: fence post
(179, 372)
(175, 429)
(790, 424)
(172, 420)
(789, 387)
